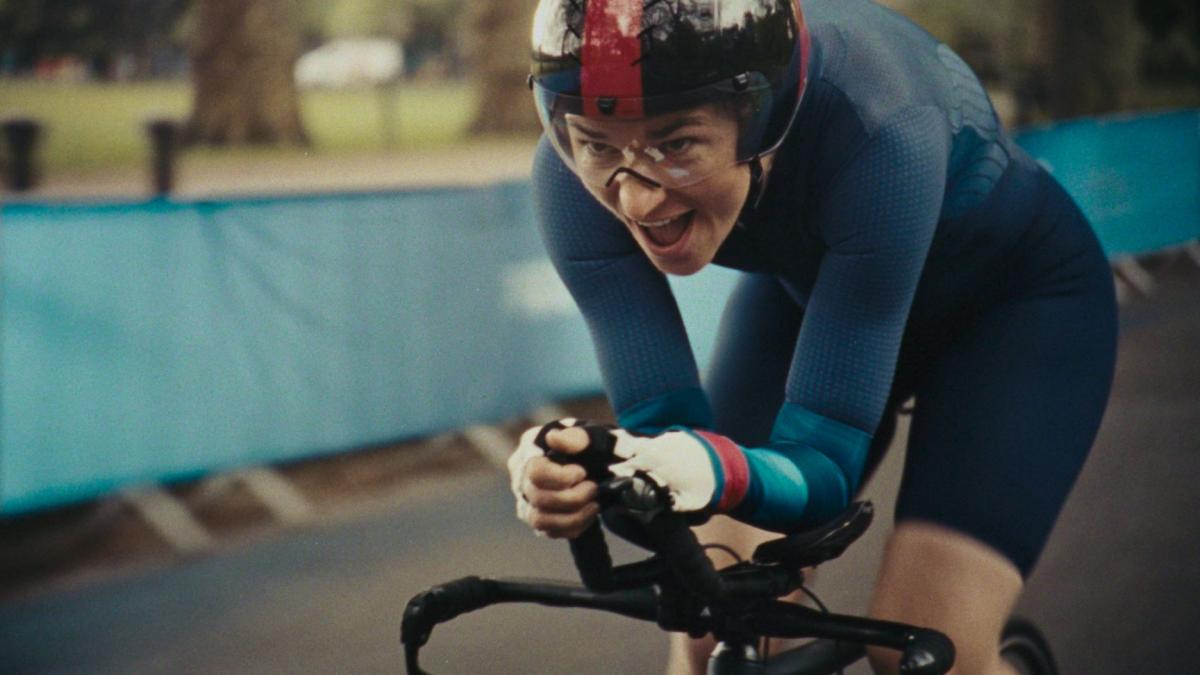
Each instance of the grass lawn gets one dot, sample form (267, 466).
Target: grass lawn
(92, 127)
(96, 126)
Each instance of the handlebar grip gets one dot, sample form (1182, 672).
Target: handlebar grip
(928, 653)
(592, 559)
(443, 603)
(438, 605)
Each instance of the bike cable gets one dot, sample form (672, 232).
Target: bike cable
(820, 605)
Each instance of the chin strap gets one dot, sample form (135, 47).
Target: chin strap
(757, 184)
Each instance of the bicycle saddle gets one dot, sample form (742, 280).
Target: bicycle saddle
(813, 547)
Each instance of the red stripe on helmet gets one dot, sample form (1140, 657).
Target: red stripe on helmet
(804, 41)
(610, 53)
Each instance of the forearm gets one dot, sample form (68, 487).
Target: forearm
(805, 476)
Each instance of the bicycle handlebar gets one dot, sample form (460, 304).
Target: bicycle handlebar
(447, 601)
(678, 587)
(675, 545)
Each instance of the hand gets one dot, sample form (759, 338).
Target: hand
(556, 500)
(676, 460)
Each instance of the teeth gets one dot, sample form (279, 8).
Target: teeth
(656, 223)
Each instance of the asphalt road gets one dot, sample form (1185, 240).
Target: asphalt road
(1117, 591)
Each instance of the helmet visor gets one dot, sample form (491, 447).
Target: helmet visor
(676, 140)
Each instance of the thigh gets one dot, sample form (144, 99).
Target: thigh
(1008, 414)
(746, 377)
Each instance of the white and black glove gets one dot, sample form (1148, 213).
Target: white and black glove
(675, 461)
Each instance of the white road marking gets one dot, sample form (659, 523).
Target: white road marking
(544, 414)
(169, 518)
(1135, 275)
(277, 493)
(491, 443)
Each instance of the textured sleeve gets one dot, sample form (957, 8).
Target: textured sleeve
(877, 221)
(645, 358)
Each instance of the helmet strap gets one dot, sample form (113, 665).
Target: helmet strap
(757, 184)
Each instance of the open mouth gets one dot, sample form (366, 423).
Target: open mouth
(667, 232)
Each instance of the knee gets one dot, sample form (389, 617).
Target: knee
(941, 579)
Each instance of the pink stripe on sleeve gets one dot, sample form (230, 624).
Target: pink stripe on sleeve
(735, 467)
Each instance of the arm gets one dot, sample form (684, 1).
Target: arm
(645, 358)
(879, 221)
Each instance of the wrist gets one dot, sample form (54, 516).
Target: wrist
(729, 466)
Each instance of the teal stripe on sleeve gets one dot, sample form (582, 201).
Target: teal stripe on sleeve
(791, 488)
(681, 407)
(844, 445)
(778, 492)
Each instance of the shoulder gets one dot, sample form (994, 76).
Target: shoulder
(874, 60)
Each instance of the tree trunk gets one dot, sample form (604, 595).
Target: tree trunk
(243, 54)
(1090, 52)
(500, 58)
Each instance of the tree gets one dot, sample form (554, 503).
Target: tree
(500, 58)
(243, 54)
(1060, 58)
(99, 32)
(1091, 56)
(1173, 52)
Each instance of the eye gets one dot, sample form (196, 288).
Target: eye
(677, 146)
(598, 149)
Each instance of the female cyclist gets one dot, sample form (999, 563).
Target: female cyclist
(893, 243)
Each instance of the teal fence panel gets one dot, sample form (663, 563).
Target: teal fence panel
(1136, 177)
(159, 341)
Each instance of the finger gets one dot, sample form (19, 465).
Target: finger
(544, 474)
(560, 526)
(571, 440)
(573, 533)
(570, 500)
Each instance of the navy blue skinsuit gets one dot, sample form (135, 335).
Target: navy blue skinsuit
(904, 247)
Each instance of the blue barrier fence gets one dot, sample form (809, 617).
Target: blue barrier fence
(158, 341)
(1136, 177)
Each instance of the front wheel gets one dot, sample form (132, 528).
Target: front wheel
(1024, 648)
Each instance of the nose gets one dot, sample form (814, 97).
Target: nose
(637, 197)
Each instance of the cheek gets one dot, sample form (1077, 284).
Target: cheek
(725, 202)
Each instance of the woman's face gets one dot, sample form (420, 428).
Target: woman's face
(643, 170)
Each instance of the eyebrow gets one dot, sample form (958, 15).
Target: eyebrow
(655, 134)
(590, 133)
(686, 121)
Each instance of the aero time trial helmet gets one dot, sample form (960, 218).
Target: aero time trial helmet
(636, 60)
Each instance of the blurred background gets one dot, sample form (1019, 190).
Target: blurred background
(273, 312)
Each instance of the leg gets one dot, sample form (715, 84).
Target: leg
(1001, 429)
(936, 577)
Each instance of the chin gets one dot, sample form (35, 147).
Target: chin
(679, 268)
